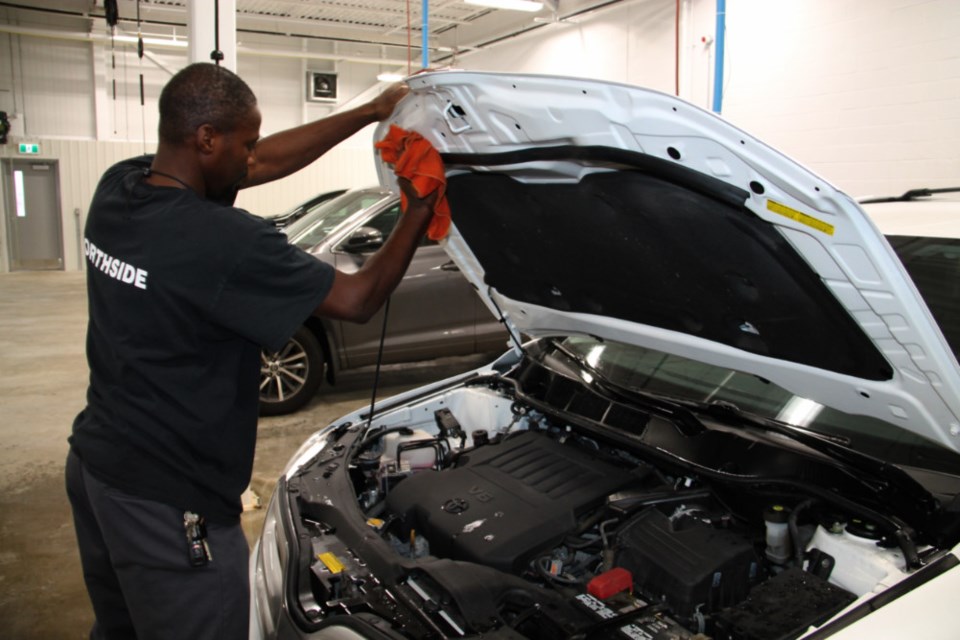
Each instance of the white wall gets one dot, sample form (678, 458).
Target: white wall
(864, 92)
(630, 43)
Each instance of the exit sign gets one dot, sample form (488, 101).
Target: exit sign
(29, 148)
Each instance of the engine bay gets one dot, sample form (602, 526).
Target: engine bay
(485, 515)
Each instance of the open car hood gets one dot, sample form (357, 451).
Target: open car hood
(588, 207)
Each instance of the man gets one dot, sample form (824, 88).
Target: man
(184, 291)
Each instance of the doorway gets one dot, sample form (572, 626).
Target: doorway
(35, 232)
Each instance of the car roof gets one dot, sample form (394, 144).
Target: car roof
(936, 216)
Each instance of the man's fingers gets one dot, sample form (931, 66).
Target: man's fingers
(389, 98)
(412, 196)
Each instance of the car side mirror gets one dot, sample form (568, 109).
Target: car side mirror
(363, 240)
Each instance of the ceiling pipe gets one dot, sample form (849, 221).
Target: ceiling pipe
(253, 18)
(298, 55)
(181, 44)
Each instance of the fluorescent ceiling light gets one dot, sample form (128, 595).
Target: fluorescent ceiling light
(390, 77)
(159, 42)
(516, 5)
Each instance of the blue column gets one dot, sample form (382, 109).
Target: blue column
(425, 33)
(718, 57)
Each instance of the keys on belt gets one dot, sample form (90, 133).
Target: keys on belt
(198, 551)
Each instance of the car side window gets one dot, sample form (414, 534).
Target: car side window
(385, 221)
(311, 229)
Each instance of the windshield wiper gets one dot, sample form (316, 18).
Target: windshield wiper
(725, 409)
(686, 422)
(833, 446)
(910, 195)
(836, 447)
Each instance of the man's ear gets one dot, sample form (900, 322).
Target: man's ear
(206, 138)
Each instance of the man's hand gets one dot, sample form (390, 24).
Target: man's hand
(385, 103)
(415, 205)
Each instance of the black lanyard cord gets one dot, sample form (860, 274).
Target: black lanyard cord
(376, 373)
(148, 171)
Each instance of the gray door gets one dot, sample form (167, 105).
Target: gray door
(33, 214)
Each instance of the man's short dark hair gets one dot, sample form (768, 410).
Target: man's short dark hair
(203, 93)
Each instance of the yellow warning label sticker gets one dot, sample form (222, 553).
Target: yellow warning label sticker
(330, 562)
(800, 217)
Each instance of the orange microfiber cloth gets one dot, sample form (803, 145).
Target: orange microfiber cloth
(415, 159)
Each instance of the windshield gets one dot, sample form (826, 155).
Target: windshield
(655, 372)
(934, 266)
(313, 228)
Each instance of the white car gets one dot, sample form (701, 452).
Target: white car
(732, 415)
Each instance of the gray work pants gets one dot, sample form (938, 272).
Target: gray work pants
(138, 574)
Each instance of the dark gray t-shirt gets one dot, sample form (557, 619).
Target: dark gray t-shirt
(183, 293)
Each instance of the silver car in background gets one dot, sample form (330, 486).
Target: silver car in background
(433, 313)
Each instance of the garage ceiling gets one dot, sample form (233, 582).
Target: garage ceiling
(454, 26)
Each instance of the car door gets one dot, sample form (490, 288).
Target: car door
(431, 314)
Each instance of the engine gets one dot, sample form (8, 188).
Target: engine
(552, 533)
(504, 505)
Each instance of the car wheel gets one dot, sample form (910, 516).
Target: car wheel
(292, 375)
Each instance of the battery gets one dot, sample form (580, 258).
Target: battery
(655, 626)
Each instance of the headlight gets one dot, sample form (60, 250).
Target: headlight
(310, 448)
(271, 558)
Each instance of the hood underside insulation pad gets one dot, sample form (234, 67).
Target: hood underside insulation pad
(636, 247)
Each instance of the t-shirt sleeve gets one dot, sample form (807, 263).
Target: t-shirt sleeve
(272, 290)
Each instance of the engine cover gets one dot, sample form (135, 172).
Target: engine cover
(505, 502)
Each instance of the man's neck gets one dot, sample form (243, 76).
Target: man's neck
(176, 167)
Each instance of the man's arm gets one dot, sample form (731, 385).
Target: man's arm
(357, 296)
(286, 152)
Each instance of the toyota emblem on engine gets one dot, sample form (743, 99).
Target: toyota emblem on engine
(455, 506)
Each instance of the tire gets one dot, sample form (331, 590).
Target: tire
(291, 376)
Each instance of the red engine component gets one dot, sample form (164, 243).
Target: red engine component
(610, 583)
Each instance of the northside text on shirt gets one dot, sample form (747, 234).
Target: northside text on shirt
(114, 267)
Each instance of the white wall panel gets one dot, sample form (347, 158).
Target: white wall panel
(279, 87)
(864, 92)
(7, 90)
(124, 117)
(631, 43)
(53, 74)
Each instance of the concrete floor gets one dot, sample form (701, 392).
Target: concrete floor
(43, 377)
